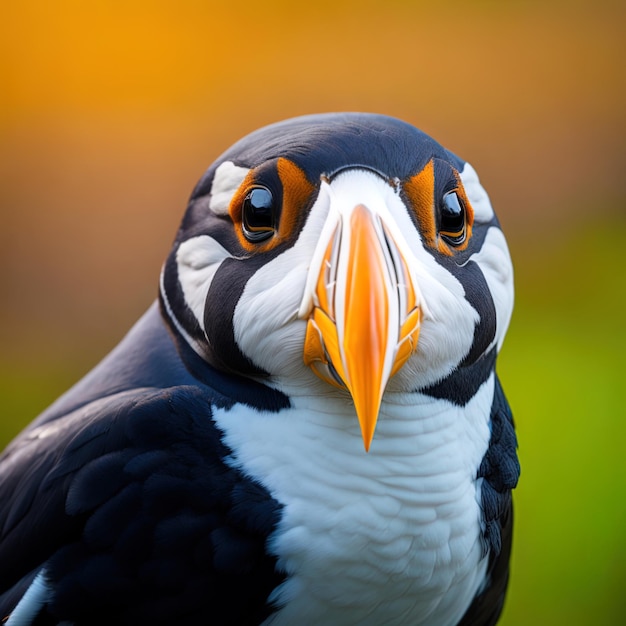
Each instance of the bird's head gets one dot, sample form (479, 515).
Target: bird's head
(344, 254)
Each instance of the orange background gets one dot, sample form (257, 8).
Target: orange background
(110, 112)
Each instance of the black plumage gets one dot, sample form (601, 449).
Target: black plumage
(123, 491)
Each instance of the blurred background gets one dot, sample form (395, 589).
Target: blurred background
(110, 112)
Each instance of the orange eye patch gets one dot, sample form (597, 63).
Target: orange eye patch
(420, 190)
(296, 192)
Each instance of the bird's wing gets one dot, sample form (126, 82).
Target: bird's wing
(131, 496)
(499, 472)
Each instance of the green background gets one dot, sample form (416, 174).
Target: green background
(113, 110)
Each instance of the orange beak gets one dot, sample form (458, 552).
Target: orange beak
(365, 320)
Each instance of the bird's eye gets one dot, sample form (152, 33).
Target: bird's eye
(258, 215)
(452, 226)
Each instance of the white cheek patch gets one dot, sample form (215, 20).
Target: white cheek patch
(483, 212)
(495, 262)
(197, 260)
(447, 330)
(227, 179)
(448, 324)
(266, 315)
(265, 321)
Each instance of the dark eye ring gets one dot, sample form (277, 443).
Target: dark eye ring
(453, 222)
(258, 215)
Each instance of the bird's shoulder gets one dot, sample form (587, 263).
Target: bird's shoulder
(129, 494)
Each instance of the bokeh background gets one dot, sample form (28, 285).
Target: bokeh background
(110, 112)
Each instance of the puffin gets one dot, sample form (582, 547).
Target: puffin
(306, 426)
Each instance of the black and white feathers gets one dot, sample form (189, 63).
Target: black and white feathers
(308, 426)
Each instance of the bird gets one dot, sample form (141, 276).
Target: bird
(306, 425)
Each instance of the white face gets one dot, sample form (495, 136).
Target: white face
(270, 316)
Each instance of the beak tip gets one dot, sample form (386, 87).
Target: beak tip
(367, 433)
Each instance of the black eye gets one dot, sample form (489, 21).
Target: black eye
(258, 215)
(452, 223)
